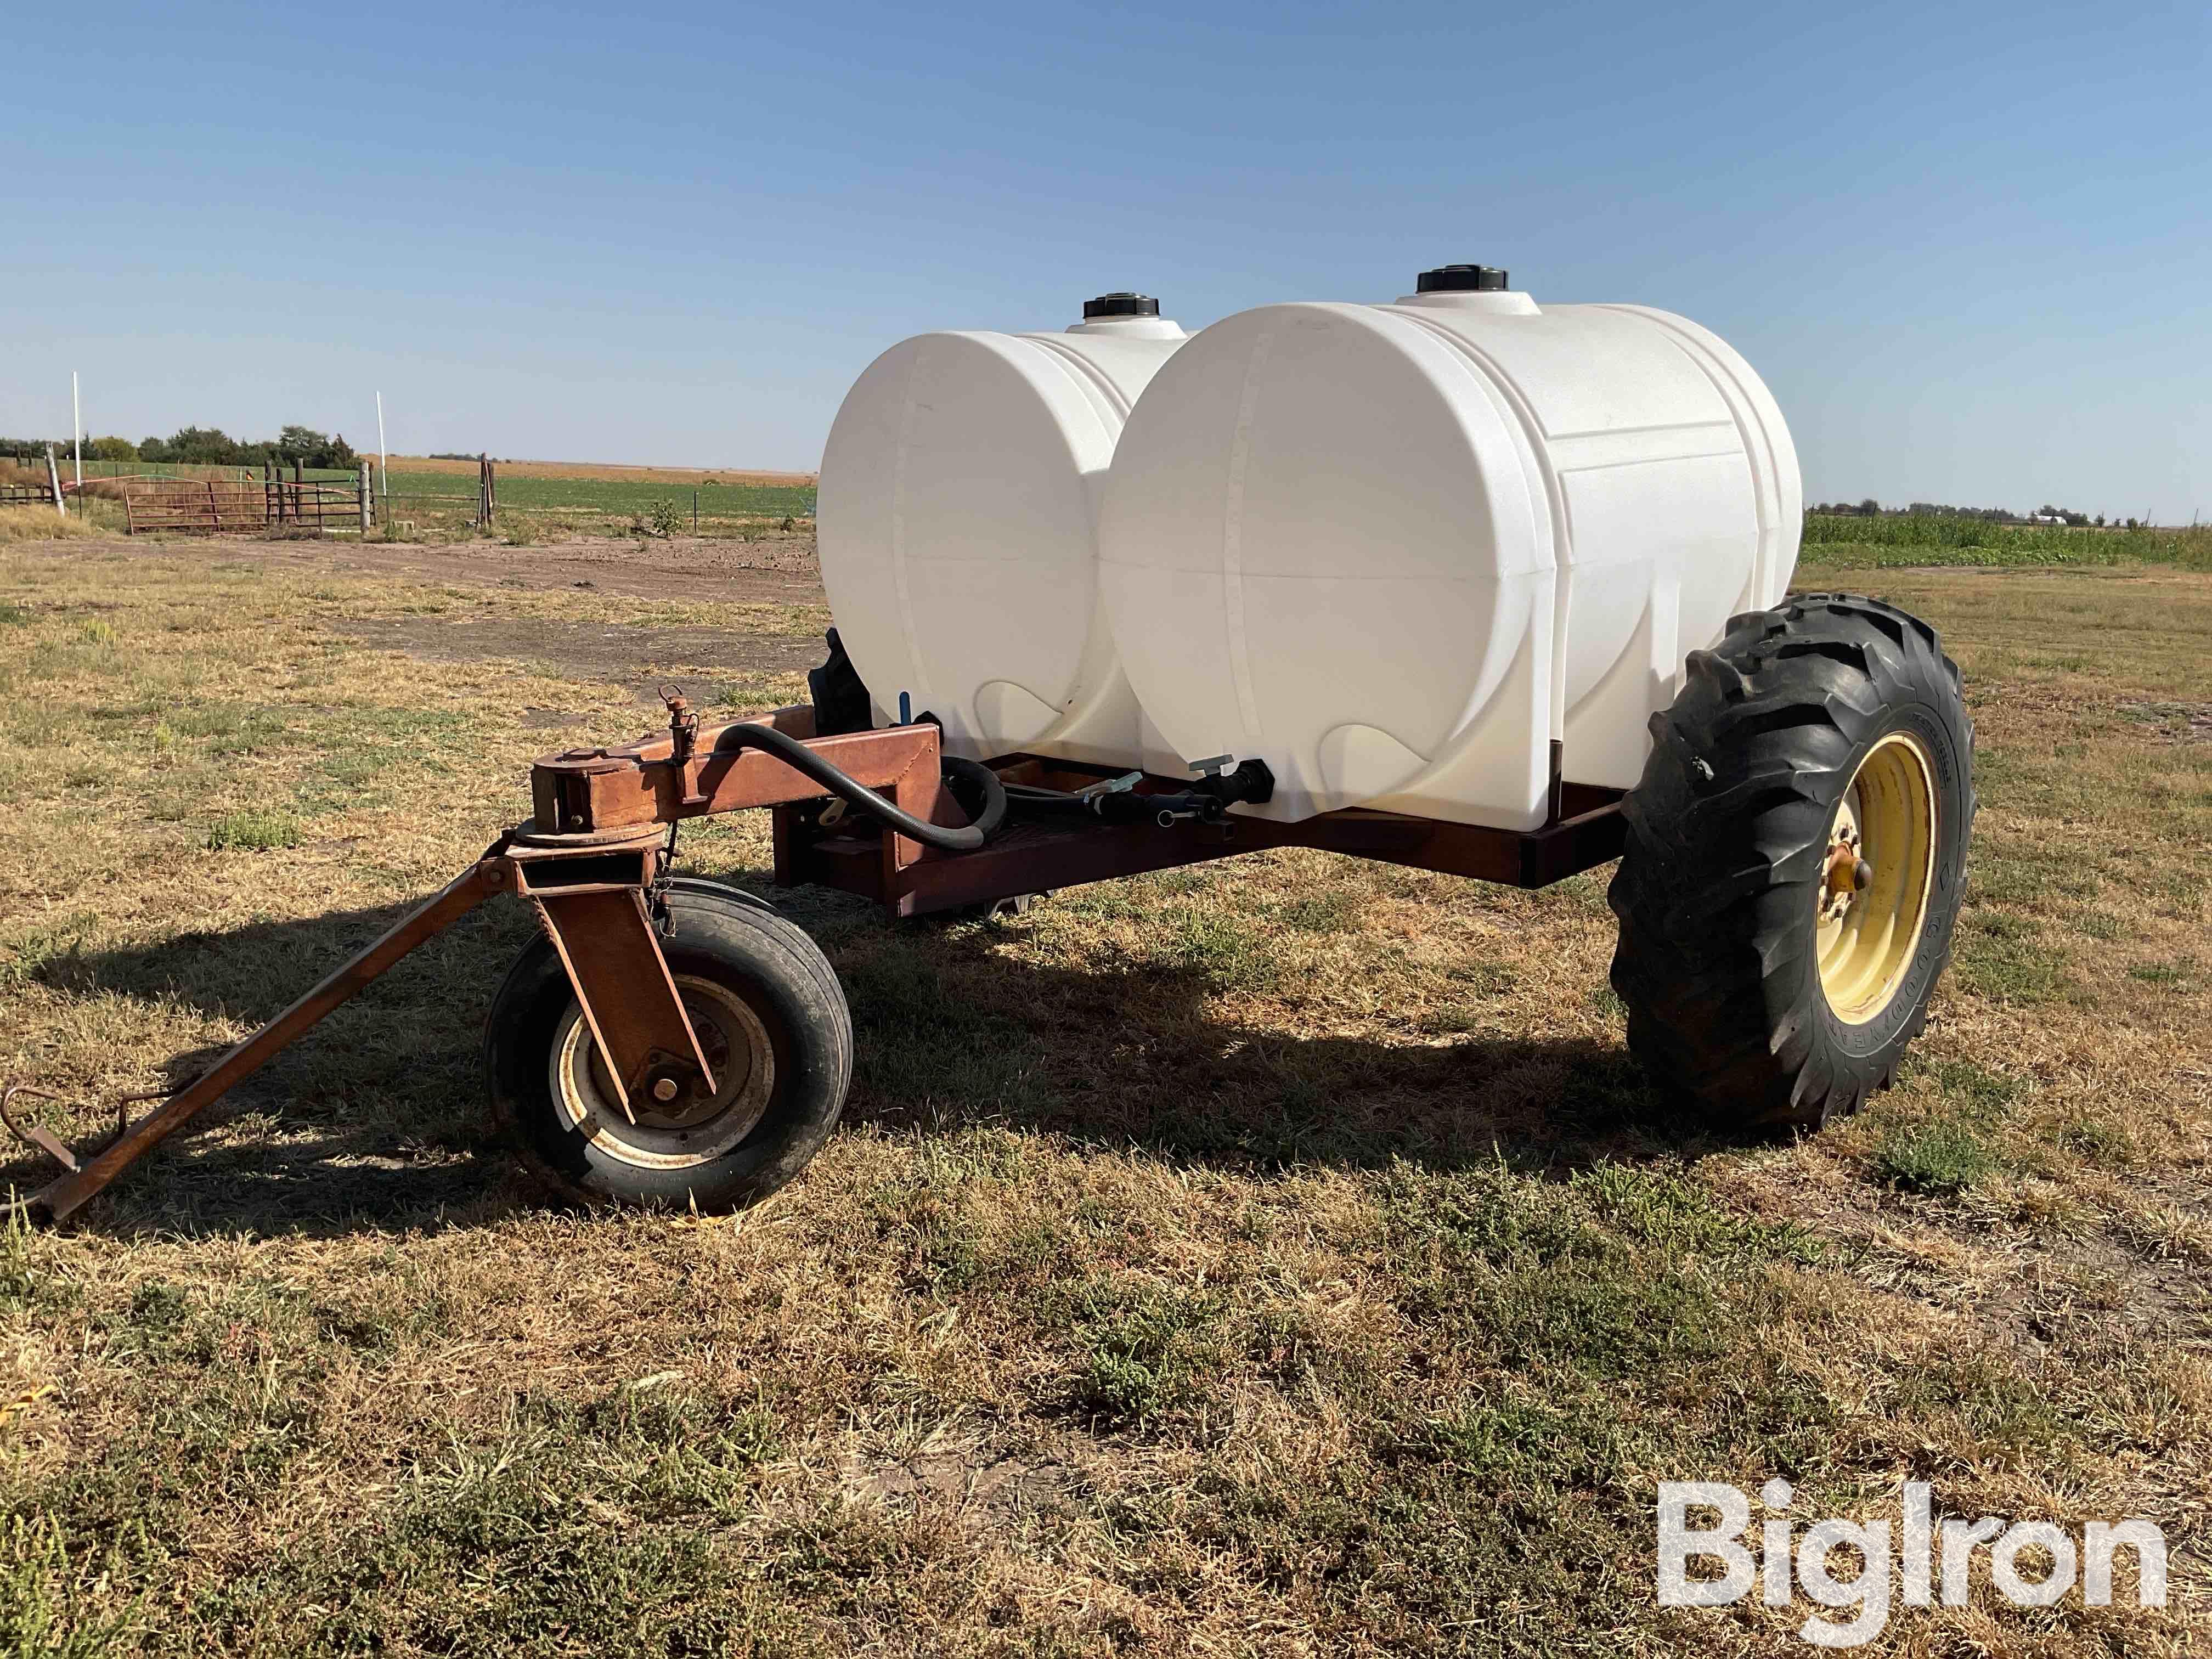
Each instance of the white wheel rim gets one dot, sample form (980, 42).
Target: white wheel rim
(738, 1049)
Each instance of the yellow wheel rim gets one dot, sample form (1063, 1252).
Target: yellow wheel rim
(1872, 902)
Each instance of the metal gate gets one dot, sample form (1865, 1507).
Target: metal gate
(238, 506)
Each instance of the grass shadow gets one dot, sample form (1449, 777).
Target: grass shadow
(953, 1033)
(376, 1120)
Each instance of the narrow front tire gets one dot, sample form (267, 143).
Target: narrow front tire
(768, 1012)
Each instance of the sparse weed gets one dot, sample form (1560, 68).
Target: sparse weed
(1944, 1157)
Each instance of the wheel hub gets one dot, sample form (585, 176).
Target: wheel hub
(673, 1097)
(671, 1124)
(1848, 874)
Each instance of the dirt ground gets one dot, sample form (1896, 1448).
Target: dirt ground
(782, 569)
(695, 571)
(616, 651)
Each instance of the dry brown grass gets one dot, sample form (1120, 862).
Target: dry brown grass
(1281, 1257)
(43, 524)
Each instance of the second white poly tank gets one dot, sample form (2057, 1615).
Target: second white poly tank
(1397, 550)
(959, 523)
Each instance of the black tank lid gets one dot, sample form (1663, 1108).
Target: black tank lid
(1461, 279)
(1120, 305)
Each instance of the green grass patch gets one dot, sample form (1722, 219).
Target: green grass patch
(2099, 1141)
(933, 1038)
(2006, 958)
(2182, 971)
(755, 691)
(1606, 1001)
(1147, 1348)
(2024, 878)
(1974, 1091)
(1332, 912)
(254, 831)
(1942, 1157)
(1217, 946)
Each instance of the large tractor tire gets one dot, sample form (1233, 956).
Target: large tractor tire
(1796, 855)
(773, 1021)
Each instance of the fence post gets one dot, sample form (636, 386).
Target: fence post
(54, 478)
(214, 508)
(695, 512)
(364, 501)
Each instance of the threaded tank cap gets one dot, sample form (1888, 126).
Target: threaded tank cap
(1120, 305)
(1461, 279)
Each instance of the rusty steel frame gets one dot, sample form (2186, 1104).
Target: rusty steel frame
(592, 791)
(603, 834)
(606, 942)
(1584, 830)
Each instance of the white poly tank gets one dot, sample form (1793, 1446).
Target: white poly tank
(1396, 550)
(959, 523)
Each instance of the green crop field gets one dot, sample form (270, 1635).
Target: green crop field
(600, 503)
(1921, 539)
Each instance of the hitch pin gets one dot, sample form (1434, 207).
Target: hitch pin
(683, 738)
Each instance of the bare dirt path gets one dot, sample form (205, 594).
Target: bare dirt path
(693, 659)
(700, 659)
(779, 570)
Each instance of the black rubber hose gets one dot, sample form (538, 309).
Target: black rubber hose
(797, 756)
(1027, 797)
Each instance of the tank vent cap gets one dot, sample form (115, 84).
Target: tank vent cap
(1461, 279)
(1120, 305)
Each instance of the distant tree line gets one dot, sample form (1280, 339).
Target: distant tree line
(203, 445)
(2045, 515)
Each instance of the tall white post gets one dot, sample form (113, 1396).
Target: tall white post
(383, 455)
(77, 429)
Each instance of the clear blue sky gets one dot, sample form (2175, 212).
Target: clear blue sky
(1969, 245)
